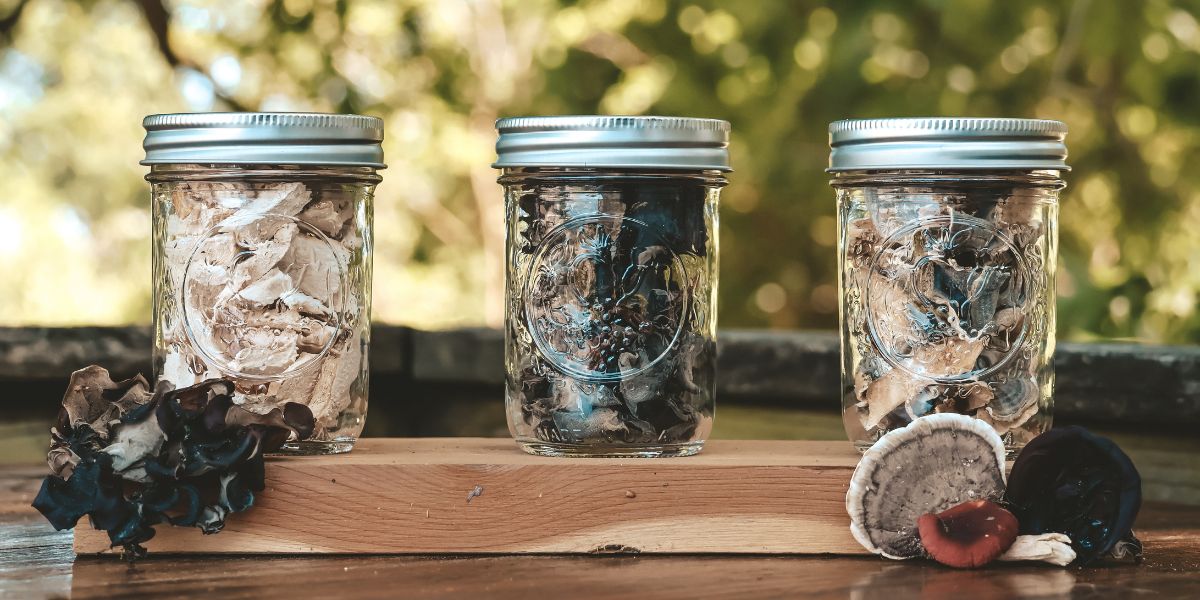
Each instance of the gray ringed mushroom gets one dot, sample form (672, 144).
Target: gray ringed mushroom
(937, 462)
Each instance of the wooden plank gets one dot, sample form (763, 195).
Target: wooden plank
(37, 562)
(412, 496)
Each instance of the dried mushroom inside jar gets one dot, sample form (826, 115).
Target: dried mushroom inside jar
(610, 331)
(262, 269)
(947, 270)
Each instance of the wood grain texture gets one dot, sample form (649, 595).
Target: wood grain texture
(610, 578)
(37, 562)
(411, 496)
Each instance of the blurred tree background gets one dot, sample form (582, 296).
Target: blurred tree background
(77, 77)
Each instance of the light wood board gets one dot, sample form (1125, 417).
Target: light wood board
(410, 496)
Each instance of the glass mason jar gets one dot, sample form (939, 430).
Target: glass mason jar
(262, 260)
(611, 264)
(948, 236)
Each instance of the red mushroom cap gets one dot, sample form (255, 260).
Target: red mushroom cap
(969, 535)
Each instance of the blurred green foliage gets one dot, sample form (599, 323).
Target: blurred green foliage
(76, 78)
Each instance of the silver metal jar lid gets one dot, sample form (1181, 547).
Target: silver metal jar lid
(614, 142)
(264, 138)
(947, 143)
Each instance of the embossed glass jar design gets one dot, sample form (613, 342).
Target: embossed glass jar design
(611, 265)
(948, 233)
(262, 260)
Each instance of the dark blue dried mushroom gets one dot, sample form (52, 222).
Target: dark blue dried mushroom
(132, 460)
(1071, 481)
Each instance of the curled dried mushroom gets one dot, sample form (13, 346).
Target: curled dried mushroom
(969, 535)
(1071, 481)
(131, 459)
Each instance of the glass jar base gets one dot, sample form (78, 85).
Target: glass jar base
(1010, 451)
(316, 448)
(541, 448)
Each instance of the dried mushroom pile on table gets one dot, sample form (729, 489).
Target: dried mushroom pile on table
(131, 458)
(259, 269)
(937, 489)
(947, 309)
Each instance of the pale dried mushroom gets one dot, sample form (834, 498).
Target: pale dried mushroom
(897, 386)
(259, 273)
(1053, 548)
(93, 400)
(931, 465)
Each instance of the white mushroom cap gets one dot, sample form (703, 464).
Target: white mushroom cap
(933, 464)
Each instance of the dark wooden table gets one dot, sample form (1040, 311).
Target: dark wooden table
(37, 562)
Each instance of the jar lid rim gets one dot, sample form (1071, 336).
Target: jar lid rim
(560, 122)
(847, 129)
(947, 143)
(264, 138)
(635, 142)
